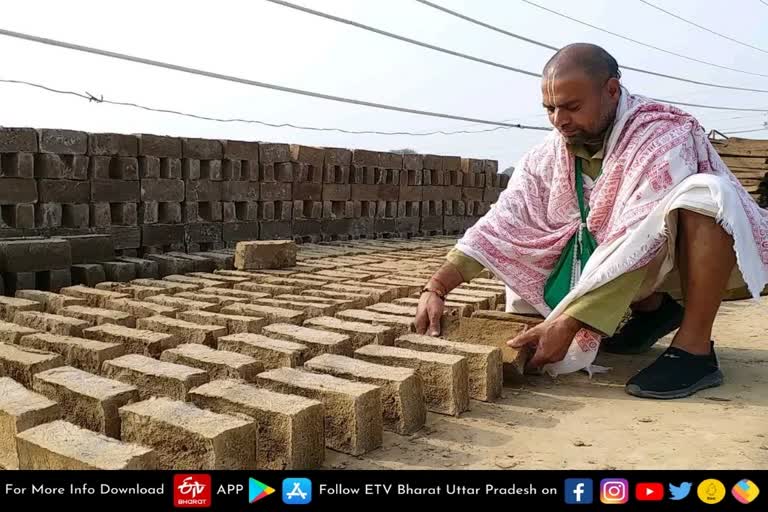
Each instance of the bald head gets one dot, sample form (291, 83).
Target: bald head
(580, 89)
(589, 59)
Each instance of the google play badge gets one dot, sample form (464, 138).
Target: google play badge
(258, 490)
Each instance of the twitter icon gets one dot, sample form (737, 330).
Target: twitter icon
(679, 492)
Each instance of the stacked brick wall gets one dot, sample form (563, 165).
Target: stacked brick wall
(156, 194)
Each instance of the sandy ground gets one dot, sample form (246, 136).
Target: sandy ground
(576, 423)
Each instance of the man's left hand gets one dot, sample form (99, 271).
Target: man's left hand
(550, 340)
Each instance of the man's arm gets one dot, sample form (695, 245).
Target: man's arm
(468, 267)
(600, 310)
(445, 279)
(457, 269)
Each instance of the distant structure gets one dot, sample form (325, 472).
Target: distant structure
(746, 158)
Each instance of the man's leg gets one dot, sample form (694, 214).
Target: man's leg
(648, 304)
(706, 259)
(652, 317)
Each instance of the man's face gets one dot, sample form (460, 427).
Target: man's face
(579, 108)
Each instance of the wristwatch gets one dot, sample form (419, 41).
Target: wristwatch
(439, 294)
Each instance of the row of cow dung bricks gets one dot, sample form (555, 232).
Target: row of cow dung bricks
(232, 369)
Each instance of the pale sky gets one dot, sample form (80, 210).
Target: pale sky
(262, 41)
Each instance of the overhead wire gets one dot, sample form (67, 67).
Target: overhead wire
(92, 98)
(734, 118)
(497, 124)
(466, 56)
(685, 20)
(255, 83)
(635, 41)
(747, 131)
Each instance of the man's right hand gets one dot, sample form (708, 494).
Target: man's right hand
(430, 308)
(428, 314)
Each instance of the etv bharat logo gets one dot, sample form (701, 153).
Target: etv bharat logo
(191, 490)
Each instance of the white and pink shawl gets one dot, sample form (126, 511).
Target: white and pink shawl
(657, 159)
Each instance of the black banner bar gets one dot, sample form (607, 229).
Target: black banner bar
(346, 489)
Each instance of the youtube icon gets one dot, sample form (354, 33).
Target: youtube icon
(649, 492)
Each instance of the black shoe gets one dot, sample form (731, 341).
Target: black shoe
(644, 328)
(676, 374)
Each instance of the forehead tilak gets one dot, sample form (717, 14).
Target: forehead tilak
(550, 78)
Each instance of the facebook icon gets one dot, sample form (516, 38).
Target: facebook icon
(578, 491)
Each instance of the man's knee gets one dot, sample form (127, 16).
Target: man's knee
(701, 228)
(685, 216)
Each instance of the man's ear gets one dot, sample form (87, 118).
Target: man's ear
(614, 87)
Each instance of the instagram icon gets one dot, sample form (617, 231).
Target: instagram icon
(613, 491)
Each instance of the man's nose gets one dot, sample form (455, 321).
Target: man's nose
(561, 118)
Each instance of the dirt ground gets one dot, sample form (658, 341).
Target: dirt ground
(573, 422)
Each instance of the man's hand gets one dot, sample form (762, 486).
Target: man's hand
(550, 340)
(430, 308)
(428, 314)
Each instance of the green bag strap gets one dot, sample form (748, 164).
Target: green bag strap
(575, 255)
(580, 191)
(585, 242)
